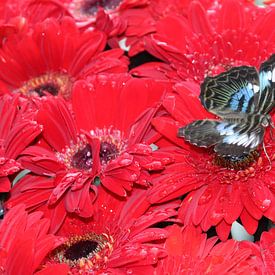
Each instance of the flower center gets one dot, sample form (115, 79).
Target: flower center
(90, 7)
(80, 249)
(77, 155)
(50, 83)
(237, 163)
(111, 143)
(87, 252)
(108, 151)
(87, 9)
(83, 158)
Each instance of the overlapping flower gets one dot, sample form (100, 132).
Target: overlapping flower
(50, 57)
(217, 194)
(18, 130)
(25, 241)
(205, 44)
(93, 176)
(89, 146)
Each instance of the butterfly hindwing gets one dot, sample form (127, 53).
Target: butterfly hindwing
(228, 139)
(243, 139)
(233, 90)
(202, 133)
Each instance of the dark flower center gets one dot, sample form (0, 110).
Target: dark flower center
(84, 253)
(83, 159)
(49, 83)
(42, 90)
(79, 154)
(108, 151)
(237, 163)
(90, 7)
(80, 249)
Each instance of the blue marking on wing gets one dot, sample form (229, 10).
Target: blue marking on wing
(264, 80)
(225, 128)
(244, 94)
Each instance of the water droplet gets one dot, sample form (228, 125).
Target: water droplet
(205, 197)
(265, 204)
(163, 193)
(125, 162)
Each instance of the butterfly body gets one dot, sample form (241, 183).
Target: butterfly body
(242, 98)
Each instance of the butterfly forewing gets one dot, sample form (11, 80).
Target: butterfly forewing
(233, 90)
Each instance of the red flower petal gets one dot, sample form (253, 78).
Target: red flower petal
(249, 223)
(58, 125)
(199, 20)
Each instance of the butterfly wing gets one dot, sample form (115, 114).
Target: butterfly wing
(244, 139)
(233, 91)
(229, 139)
(202, 133)
(265, 99)
(240, 96)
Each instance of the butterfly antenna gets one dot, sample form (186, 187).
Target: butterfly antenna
(272, 127)
(267, 156)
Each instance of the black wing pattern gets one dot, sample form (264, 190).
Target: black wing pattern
(265, 100)
(233, 90)
(229, 139)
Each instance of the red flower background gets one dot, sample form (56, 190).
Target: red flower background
(93, 176)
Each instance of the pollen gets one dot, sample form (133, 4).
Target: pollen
(50, 83)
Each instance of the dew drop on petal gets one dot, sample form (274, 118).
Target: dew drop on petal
(265, 204)
(205, 198)
(163, 193)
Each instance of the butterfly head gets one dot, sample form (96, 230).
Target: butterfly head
(266, 121)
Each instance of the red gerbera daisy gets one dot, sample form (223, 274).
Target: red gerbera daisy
(17, 131)
(85, 11)
(122, 237)
(142, 21)
(103, 15)
(52, 56)
(16, 15)
(190, 252)
(25, 242)
(205, 45)
(10, 22)
(217, 195)
(266, 248)
(124, 19)
(93, 146)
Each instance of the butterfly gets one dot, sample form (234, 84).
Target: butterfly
(242, 98)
